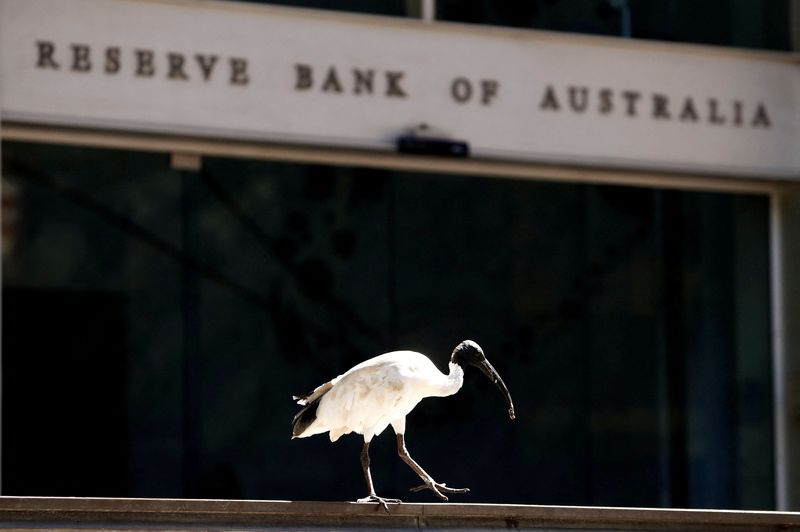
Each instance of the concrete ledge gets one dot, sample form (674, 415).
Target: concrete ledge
(37, 513)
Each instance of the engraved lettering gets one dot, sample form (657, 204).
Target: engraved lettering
(363, 81)
(303, 79)
(761, 118)
(461, 90)
(206, 64)
(239, 75)
(112, 64)
(606, 101)
(713, 112)
(331, 83)
(578, 98)
(631, 98)
(661, 107)
(549, 100)
(176, 62)
(144, 63)
(489, 89)
(393, 88)
(80, 58)
(688, 113)
(737, 113)
(45, 50)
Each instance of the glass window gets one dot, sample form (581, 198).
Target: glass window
(760, 24)
(399, 8)
(156, 324)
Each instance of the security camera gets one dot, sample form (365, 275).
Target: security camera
(418, 145)
(426, 140)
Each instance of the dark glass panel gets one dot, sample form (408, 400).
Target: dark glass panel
(181, 310)
(760, 24)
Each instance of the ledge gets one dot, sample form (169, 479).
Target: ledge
(31, 513)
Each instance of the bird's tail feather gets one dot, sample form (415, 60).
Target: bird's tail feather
(308, 414)
(304, 418)
(313, 395)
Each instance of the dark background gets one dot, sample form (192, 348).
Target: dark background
(156, 324)
(760, 24)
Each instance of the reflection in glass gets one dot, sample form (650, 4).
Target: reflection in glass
(156, 324)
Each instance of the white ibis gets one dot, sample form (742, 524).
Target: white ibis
(380, 392)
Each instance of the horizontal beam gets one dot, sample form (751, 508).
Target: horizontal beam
(200, 147)
(29, 513)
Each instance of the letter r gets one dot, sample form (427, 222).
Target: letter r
(46, 49)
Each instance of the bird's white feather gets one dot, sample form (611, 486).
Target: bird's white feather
(378, 392)
(318, 391)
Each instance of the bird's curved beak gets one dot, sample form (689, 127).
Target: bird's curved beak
(490, 372)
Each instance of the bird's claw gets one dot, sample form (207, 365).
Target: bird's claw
(380, 500)
(438, 489)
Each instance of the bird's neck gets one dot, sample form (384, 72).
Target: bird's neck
(453, 381)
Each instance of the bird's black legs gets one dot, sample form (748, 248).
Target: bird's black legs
(430, 484)
(372, 497)
(365, 467)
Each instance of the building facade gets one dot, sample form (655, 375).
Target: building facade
(210, 206)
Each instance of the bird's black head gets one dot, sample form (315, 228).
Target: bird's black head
(468, 353)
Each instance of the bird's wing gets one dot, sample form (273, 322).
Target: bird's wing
(319, 391)
(366, 398)
(360, 398)
(402, 362)
(369, 385)
(322, 389)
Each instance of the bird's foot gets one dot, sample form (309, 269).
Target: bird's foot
(380, 500)
(438, 489)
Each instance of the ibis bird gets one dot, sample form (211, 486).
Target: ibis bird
(382, 391)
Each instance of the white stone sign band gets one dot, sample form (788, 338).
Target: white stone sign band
(238, 71)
